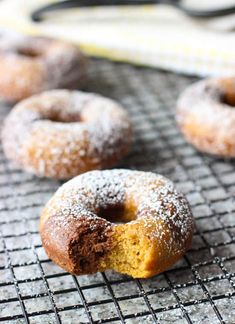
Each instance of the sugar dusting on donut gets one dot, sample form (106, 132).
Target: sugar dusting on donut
(155, 197)
(99, 136)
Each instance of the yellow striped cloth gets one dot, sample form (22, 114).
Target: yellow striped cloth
(157, 36)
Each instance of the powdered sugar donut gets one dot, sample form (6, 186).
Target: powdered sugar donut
(62, 133)
(206, 116)
(31, 65)
(79, 234)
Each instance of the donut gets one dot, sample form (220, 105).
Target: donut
(60, 133)
(30, 65)
(133, 222)
(206, 116)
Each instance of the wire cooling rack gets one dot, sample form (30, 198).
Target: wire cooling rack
(199, 289)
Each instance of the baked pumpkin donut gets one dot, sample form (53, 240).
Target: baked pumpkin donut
(31, 65)
(78, 232)
(206, 116)
(61, 133)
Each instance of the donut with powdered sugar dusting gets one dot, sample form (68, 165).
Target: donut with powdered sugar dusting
(206, 116)
(60, 133)
(154, 224)
(30, 65)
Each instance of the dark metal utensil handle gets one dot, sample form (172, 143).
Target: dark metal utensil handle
(37, 15)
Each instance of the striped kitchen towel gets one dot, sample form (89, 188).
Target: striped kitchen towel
(157, 36)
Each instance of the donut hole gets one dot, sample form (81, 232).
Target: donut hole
(228, 99)
(65, 119)
(113, 214)
(29, 52)
(58, 116)
(116, 214)
(227, 91)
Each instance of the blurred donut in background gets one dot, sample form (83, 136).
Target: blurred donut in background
(206, 116)
(30, 65)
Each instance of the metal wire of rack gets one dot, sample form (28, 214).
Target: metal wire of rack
(198, 289)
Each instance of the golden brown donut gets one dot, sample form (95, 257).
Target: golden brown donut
(30, 65)
(79, 234)
(61, 133)
(206, 116)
